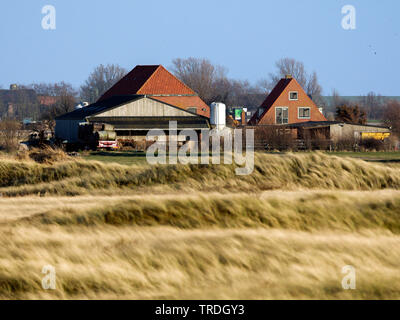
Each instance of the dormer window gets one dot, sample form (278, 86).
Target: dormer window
(293, 95)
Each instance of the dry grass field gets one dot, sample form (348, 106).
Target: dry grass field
(200, 232)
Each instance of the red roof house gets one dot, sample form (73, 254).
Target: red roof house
(287, 103)
(158, 83)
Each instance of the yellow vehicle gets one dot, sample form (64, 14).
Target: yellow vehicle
(375, 135)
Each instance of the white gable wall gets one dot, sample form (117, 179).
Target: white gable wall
(145, 107)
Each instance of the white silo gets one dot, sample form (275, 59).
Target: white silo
(218, 115)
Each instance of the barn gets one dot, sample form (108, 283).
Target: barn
(129, 117)
(157, 82)
(149, 97)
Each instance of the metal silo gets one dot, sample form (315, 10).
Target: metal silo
(218, 115)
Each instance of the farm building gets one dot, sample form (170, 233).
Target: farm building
(318, 135)
(287, 103)
(156, 82)
(128, 117)
(336, 131)
(288, 110)
(148, 97)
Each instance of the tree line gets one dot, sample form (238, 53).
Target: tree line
(211, 82)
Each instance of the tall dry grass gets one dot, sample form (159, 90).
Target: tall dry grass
(200, 232)
(165, 263)
(293, 171)
(299, 210)
(287, 245)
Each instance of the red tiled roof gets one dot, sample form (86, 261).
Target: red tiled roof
(148, 80)
(164, 82)
(185, 102)
(270, 100)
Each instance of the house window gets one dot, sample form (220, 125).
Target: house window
(281, 115)
(304, 113)
(293, 95)
(192, 109)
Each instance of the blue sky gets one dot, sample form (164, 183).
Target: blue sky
(245, 36)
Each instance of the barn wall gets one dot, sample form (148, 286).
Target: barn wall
(145, 108)
(67, 130)
(350, 131)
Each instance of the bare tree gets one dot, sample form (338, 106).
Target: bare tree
(290, 66)
(391, 116)
(337, 99)
(313, 88)
(46, 89)
(373, 104)
(211, 83)
(65, 100)
(242, 93)
(57, 89)
(200, 75)
(100, 80)
(265, 86)
(295, 68)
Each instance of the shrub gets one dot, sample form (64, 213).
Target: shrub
(372, 144)
(9, 134)
(274, 138)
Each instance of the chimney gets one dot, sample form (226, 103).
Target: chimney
(288, 76)
(244, 118)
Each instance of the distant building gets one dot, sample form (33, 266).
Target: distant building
(337, 131)
(288, 109)
(47, 100)
(148, 97)
(20, 102)
(16, 95)
(11, 100)
(286, 104)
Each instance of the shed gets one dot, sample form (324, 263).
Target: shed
(336, 130)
